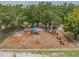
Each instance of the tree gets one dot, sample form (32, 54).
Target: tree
(45, 13)
(71, 22)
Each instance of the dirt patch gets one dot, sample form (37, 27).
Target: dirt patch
(24, 41)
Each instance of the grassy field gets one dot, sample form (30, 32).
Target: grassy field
(5, 36)
(47, 53)
(59, 53)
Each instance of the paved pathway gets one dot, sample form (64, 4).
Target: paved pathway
(18, 54)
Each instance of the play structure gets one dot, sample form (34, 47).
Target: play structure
(34, 31)
(61, 38)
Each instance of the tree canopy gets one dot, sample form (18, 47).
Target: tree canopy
(45, 12)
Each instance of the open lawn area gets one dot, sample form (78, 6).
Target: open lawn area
(40, 53)
(59, 53)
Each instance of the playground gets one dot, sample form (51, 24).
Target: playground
(46, 40)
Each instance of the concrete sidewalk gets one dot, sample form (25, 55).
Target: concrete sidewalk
(18, 54)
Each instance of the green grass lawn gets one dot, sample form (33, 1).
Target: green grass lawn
(5, 36)
(58, 53)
